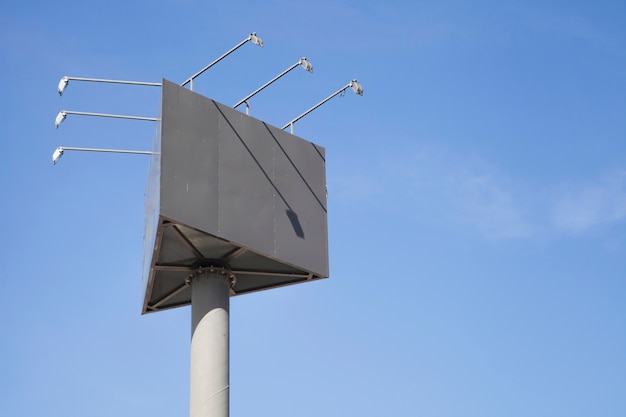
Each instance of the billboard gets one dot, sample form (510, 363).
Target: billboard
(230, 191)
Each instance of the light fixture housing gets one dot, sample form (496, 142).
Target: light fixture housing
(60, 118)
(62, 84)
(356, 87)
(58, 153)
(255, 39)
(306, 64)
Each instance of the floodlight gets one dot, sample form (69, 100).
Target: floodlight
(252, 38)
(356, 87)
(63, 114)
(63, 84)
(58, 152)
(60, 117)
(306, 64)
(65, 80)
(255, 39)
(301, 62)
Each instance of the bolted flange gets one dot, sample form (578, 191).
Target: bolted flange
(205, 266)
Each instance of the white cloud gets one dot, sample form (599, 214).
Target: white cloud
(444, 188)
(484, 201)
(461, 190)
(584, 206)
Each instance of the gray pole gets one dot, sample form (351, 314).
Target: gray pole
(209, 376)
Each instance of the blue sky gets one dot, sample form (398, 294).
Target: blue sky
(477, 208)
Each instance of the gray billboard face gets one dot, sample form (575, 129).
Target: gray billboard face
(230, 190)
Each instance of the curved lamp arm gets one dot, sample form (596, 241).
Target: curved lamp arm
(58, 152)
(356, 87)
(301, 62)
(65, 81)
(63, 114)
(252, 38)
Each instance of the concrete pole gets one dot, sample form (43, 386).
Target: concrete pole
(209, 382)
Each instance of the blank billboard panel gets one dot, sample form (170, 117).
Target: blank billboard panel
(230, 190)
